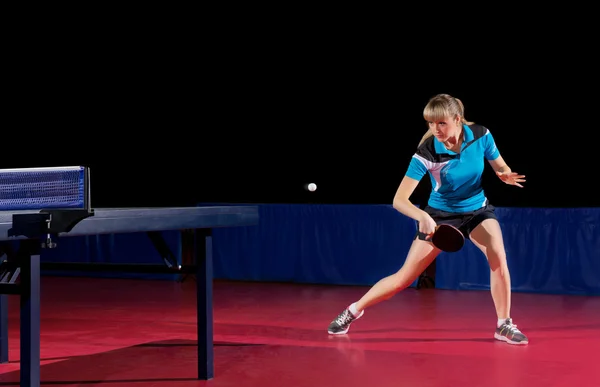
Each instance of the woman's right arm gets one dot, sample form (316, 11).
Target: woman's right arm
(403, 205)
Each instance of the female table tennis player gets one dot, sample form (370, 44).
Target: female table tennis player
(452, 151)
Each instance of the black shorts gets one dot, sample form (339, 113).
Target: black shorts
(464, 221)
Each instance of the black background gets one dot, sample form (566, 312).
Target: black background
(251, 115)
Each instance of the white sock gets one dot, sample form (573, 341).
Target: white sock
(353, 309)
(501, 321)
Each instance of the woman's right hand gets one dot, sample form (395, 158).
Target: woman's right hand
(426, 224)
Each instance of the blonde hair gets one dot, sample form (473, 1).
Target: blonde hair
(442, 106)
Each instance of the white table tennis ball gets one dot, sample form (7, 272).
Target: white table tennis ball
(312, 187)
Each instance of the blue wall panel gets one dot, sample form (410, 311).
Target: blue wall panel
(330, 244)
(549, 250)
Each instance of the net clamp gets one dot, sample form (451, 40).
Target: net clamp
(47, 224)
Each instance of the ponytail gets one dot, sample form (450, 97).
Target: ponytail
(425, 137)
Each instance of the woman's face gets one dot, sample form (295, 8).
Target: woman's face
(445, 128)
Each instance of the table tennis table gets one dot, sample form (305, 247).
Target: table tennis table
(27, 266)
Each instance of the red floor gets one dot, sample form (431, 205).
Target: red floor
(116, 333)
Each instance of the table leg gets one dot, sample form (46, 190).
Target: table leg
(30, 321)
(204, 283)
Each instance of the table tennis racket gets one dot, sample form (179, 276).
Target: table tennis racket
(448, 238)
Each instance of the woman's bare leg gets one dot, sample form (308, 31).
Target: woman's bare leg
(420, 256)
(487, 236)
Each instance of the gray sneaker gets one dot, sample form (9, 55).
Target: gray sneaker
(342, 322)
(509, 333)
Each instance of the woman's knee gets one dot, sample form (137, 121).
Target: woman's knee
(420, 256)
(487, 236)
(499, 268)
(496, 258)
(409, 273)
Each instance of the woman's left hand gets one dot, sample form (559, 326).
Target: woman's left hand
(511, 178)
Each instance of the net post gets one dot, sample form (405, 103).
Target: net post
(87, 189)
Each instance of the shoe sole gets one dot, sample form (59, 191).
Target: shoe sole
(509, 341)
(339, 333)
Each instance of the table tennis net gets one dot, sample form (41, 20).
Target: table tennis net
(42, 188)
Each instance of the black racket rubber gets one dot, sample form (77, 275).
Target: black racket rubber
(448, 238)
